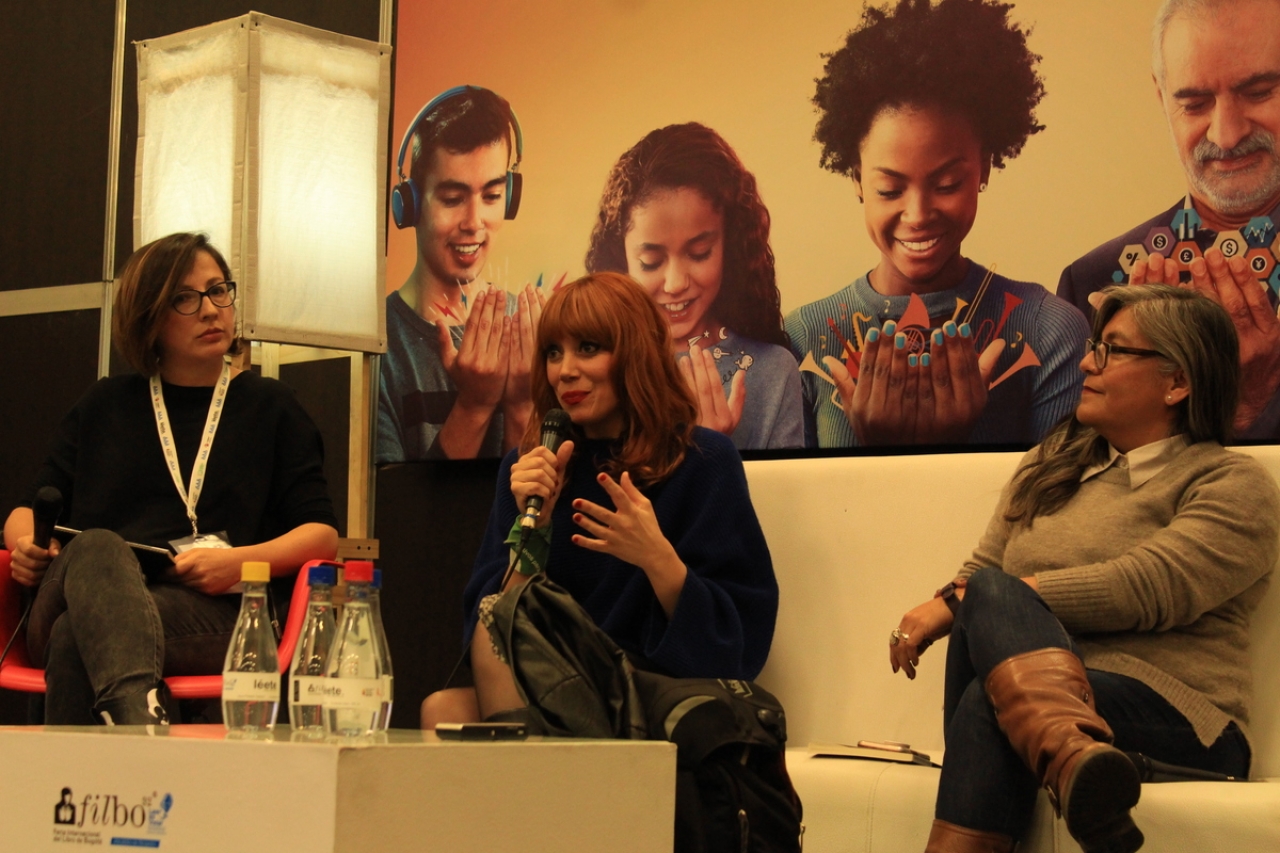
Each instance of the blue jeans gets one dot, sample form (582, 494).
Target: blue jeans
(984, 784)
(104, 633)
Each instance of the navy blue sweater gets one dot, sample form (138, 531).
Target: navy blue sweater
(723, 623)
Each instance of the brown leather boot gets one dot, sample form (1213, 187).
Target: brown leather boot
(1045, 707)
(949, 838)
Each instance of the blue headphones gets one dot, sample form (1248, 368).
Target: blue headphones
(406, 199)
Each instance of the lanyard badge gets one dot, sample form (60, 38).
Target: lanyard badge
(190, 494)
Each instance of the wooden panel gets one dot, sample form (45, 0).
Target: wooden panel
(322, 390)
(430, 518)
(55, 73)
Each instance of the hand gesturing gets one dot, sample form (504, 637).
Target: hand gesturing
(631, 533)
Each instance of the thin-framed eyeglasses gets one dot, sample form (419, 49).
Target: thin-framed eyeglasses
(1102, 351)
(187, 301)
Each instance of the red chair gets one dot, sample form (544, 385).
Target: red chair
(17, 673)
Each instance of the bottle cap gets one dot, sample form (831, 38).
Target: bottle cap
(324, 574)
(359, 571)
(251, 572)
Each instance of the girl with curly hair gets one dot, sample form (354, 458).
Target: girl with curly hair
(917, 108)
(682, 215)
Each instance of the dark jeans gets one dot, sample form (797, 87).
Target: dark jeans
(984, 784)
(104, 634)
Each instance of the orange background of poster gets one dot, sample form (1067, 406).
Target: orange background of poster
(588, 78)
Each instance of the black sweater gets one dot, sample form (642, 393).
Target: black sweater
(264, 477)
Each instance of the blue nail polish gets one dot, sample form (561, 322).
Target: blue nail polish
(950, 328)
(873, 335)
(965, 331)
(924, 360)
(913, 360)
(899, 341)
(937, 337)
(890, 327)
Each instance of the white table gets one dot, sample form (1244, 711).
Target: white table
(411, 792)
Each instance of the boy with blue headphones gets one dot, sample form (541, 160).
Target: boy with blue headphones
(455, 377)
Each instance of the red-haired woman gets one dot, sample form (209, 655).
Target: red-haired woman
(682, 216)
(647, 522)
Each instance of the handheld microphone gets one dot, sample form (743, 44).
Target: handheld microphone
(555, 427)
(46, 508)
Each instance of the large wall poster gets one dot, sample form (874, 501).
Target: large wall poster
(590, 80)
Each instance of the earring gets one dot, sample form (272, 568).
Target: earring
(1168, 398)
(982, 187)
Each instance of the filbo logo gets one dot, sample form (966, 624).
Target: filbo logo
(110, 811)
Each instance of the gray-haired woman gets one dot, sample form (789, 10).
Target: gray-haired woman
(1108, 601)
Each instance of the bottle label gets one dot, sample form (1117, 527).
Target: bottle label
(251, 686)
(309, 689)
(355, 694)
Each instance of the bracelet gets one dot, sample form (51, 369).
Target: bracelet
(533, 557)
(948, 593)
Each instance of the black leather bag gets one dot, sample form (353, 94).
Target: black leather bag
(574, 679)
(733, 792)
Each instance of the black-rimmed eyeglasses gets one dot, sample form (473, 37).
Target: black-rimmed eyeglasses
(222, 295)
(1102, 351)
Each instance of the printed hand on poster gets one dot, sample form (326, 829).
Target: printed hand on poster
(517, 399)
(1231, 283)
(719, 408)
(478, 368)
(930, 398)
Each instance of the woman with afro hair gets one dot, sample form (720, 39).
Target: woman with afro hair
(681, 215)
(917, 108)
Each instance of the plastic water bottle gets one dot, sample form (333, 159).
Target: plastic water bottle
(251, 673)
(311, 656)
(388, 681)
(355, 693)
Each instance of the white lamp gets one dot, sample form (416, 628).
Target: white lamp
(271, 137)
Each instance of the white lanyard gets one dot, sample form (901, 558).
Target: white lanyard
(190, 495)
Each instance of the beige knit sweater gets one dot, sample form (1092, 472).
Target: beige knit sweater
(1158, 582)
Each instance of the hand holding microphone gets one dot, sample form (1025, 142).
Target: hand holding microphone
(30, 559)
(32, 556)
(535, 476)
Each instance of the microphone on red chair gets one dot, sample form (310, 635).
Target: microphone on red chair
(46, 508)
(555, 428)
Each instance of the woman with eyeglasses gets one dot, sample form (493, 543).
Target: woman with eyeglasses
(188, 455)
(1106, 608)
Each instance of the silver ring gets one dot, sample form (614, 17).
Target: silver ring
(896, 636)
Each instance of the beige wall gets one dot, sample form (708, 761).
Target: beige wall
(588, 78)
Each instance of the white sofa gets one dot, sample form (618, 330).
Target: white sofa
(857, 541)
